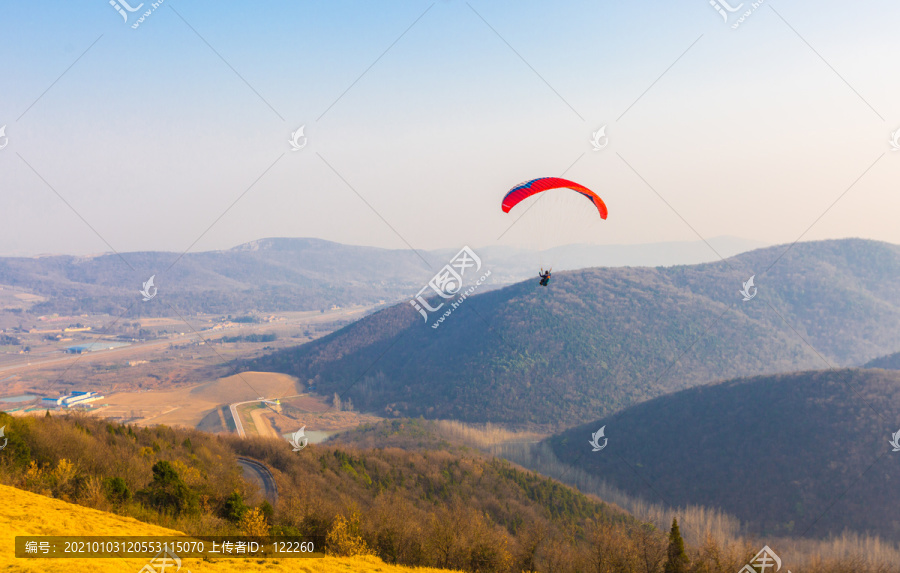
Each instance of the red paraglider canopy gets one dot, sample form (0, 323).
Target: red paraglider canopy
(529, 188)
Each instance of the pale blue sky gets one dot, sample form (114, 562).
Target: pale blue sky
(150, 135)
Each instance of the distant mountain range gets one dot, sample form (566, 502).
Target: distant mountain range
(268, 275)
(599, 340)
(803, 454)
(272, 275)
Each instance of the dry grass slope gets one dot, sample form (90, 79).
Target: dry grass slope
(247, 386)
(20, 517)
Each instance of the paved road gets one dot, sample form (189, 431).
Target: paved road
(260, 475)
(238, 426)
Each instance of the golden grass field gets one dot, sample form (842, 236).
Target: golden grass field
(26, 513)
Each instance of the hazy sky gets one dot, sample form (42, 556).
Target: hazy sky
(420, 115)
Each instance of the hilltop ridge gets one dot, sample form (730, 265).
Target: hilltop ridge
(599, 340)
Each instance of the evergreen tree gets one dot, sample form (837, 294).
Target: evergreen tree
(234, 508)
(676, 560)
(267, 510)
(168, 492)
(116, 490)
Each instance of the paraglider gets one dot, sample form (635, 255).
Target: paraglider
(545, 277)
(525, 190)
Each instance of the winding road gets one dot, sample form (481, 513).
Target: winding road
(259, 474)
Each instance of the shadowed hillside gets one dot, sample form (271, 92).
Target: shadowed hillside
(598, 340)
(803, 454)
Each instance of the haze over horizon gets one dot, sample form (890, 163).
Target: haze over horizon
(419, 116)
(734, 245)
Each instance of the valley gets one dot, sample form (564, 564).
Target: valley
(678, 447)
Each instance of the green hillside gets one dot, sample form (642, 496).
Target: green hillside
(802, 454)
(599, 340)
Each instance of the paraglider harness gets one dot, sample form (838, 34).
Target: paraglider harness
(545, 277)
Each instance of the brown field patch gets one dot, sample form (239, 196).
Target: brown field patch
(308, 403)
(187, 406)
(261, 421)
(331, 421)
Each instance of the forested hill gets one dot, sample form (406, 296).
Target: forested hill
(803, 454)
(598, 340)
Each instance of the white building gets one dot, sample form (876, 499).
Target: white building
(76, 398)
